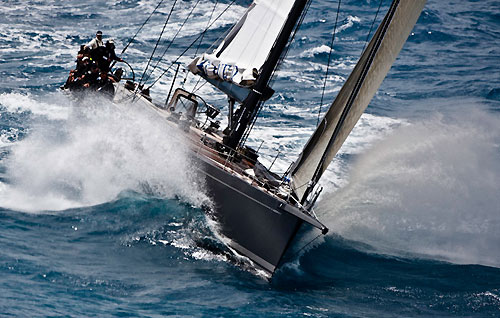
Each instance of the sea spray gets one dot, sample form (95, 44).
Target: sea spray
(93, 155)
(431, 189)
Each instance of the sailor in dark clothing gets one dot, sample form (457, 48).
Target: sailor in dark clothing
(75, 79)
(83, 52)
(105, 85)
(105, 55)
(109, 56)
(90, 78)
(82, 65)
(97, 55)
(93, 59)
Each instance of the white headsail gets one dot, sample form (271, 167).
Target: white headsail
(238, 59)
(355, 95)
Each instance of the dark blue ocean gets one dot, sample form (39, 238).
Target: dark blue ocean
(100, 215)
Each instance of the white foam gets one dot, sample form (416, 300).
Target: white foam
(94, 155)
(7, 137)
(431, 188)
(351, 20)
(53, 106)
(493, 296)
(316, 50)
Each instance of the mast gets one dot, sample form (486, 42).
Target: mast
(254, 99)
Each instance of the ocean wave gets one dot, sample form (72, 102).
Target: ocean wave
(52, 106)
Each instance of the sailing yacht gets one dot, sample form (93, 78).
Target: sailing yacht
(258, 211)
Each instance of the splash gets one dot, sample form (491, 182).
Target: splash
(431, 188)
(92, 156)
(51, 106)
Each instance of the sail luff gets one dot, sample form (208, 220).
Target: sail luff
(355, 95)
(360, 73)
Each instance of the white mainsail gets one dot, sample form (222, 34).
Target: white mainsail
(244, 50)
(355, 95)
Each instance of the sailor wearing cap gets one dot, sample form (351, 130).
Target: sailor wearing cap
(95, 42)
(109, 56)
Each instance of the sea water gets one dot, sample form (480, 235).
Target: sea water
(101, 213)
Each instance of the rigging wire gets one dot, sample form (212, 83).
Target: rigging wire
(205, 31)
(280, 61)
(196, 89)
(172, 41)
(132, 39)
(191, 45)
(329, 61)
(142, 26)
(157, 42)
(199, 45)
(371, 27)
(370, 56)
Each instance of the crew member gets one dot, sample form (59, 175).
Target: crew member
(75, 79)
(108, 56)
(105, 85)
(95, 42)
(90, 78)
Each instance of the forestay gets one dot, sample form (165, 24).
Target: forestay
(355, 95)
(240, 56)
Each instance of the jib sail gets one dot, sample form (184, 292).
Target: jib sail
(355, 95)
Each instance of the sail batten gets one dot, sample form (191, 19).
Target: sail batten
(355, 95)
